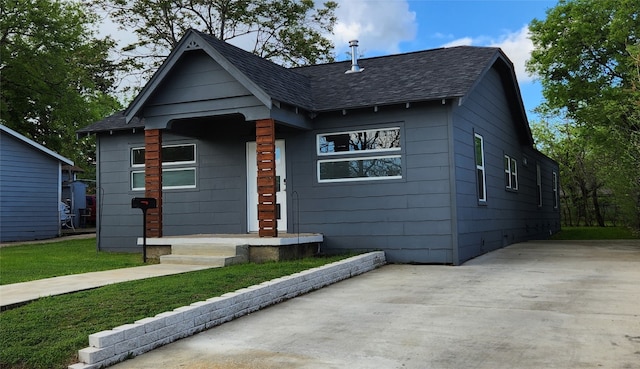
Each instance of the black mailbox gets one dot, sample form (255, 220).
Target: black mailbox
(143, 203)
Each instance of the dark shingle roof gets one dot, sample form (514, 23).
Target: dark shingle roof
(114, 122)
(418, 76)
(280, 83)
(411, 77)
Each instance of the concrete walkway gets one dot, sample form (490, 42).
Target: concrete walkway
(529, 306)
(19, 293)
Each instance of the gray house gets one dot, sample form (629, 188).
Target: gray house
(425, 155)
(31, 179)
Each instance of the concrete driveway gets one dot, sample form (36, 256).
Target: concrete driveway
(530, 305)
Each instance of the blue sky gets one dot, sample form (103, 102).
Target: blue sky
(395, 26)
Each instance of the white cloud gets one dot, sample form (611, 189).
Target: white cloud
(378, 25)
(517, 45)
(465, 41)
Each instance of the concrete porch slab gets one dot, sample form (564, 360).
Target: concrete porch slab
(287, 246)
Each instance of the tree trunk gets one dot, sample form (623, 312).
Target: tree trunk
(596, 208)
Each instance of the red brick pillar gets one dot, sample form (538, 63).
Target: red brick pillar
(153, 179)
(266, 159)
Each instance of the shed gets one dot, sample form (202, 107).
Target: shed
(30, 188)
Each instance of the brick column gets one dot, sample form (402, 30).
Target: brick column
(153, 179)
(266, 159)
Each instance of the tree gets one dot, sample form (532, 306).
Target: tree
(586, 56)
(55, 76)
(288, 32)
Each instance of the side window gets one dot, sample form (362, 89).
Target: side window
(554, 176)
(510, 173)
(539, 185)
(359, 155)
(178, 170)
(480, 170)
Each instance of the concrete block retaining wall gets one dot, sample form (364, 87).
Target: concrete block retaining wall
(129, 340)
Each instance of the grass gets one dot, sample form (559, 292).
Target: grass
(48, 332)
(37, 261)
(595, 233)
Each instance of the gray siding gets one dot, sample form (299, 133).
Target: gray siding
(196, 87)
(29, 185)
(507, 216)
(409, 218)
(216, 205)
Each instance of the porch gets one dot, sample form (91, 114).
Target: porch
(227, 249)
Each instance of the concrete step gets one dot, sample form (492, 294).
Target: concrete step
(218, 261)
(209, 249)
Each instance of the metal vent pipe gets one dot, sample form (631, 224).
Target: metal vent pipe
(354, 57)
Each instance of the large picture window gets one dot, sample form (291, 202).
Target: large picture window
(480, 171)
(359, 155)
(174, 173)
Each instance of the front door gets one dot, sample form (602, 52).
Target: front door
(252, 187)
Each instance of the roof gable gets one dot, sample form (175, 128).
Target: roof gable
(35, 145)
(445, 73)
(264, 79)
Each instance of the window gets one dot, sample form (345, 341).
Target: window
(539, 184)
(510, 173)
(480, 174)
(555, 190)
(380, 140)
(372, 162)
(173, 157)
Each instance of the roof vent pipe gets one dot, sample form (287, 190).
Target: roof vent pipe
(354, 57)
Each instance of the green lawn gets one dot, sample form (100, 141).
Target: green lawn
(37, 261)
(595, 233)
(48, 332)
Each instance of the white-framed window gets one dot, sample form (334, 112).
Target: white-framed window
(556, 199)
(480, 170)
(355, 142)
(539, 184)
(358, 169)
(174, 173)
(359, 155)
(510, 173)
(171, 155)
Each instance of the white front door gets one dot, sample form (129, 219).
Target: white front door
(252, 187)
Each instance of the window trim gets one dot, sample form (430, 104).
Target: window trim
(354, 179)
(482, 197)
